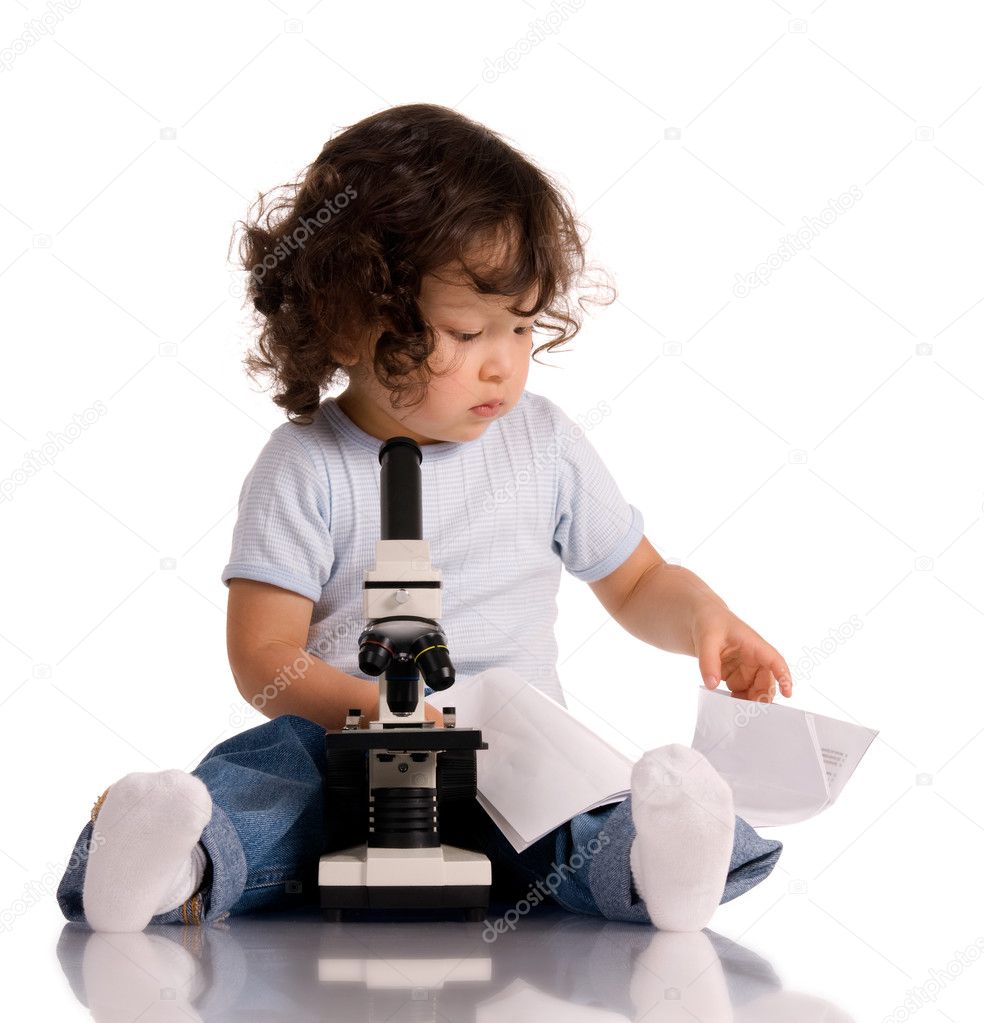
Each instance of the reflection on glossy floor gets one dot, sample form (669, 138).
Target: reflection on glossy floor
(552, 965)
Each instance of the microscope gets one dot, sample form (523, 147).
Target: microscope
(388, 785)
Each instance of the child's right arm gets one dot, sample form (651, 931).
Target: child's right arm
(266, 632)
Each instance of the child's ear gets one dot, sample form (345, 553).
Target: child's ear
(359, 349)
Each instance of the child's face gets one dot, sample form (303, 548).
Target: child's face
(495, 364)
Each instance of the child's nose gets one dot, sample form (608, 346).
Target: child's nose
(502, 358)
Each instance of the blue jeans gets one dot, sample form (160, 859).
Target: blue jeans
(268, 832)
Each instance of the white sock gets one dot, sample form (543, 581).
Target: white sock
(187, 881)
(684, 819)
(143, 842)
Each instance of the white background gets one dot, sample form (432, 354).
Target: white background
(811, 448)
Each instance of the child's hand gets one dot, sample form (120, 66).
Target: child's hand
(728, 648)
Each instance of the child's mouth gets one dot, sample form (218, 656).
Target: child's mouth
(487, 411)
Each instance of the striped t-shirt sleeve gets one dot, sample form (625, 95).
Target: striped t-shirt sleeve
(596, 528)
(281, 535)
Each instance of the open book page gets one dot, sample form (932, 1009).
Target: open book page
(543, 766)
(772, 764)
(842, 745)
(783, 764)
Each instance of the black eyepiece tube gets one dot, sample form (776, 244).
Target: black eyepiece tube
(400, 514)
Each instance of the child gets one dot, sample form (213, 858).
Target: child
(415, 258)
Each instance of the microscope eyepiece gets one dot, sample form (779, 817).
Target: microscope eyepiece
(399, 490)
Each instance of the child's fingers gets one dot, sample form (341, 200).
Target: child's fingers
(783, 676)
(763, 687)
(709, 660)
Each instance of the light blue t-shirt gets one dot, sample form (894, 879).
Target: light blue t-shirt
(501, 514)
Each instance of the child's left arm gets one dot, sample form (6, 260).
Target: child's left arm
(668, 606)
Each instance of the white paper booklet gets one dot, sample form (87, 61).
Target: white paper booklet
(544, 766)
(783, 764)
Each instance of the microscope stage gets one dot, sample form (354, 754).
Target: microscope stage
(404, 738)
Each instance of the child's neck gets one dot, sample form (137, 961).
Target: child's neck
(371, 419)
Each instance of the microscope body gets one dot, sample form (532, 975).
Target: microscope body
(392, 780)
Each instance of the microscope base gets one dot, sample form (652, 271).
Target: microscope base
(441, 877)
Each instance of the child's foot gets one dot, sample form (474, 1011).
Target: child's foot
(145, 851)
(684, 818)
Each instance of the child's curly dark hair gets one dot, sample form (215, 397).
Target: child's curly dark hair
(402, 193)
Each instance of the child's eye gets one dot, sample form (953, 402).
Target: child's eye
(471, 337)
